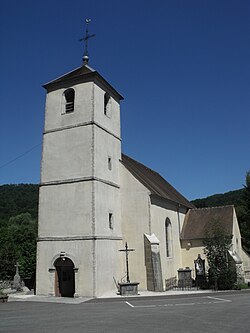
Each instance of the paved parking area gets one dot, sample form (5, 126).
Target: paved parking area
(169, 303)
(219, 312)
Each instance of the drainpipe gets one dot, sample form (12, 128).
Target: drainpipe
(178, 216)
(149, 216)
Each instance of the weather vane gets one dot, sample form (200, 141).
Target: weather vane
(85, 39)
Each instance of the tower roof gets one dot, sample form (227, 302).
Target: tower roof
(81, 74)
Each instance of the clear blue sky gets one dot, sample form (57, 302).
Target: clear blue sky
(182, 66)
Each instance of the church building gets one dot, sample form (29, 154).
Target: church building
(93, 199)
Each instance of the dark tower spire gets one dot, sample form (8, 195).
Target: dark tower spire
(85, 39)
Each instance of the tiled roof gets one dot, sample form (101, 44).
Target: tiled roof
(154, 182)
(197, 221)
(83, 70)
(78, 75)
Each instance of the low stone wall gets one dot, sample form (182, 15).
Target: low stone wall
(171, 283)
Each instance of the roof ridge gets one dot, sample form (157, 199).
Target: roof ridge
(203, 208)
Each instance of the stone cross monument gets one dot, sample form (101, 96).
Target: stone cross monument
(17, 282)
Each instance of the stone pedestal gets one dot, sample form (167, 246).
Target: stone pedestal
(128, 288)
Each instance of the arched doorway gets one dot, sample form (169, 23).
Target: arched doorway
(64, 277)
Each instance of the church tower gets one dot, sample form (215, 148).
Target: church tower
(79, 231)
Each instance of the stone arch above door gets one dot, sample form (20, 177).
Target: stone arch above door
(66, 255)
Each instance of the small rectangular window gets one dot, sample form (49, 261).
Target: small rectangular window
(111, 226)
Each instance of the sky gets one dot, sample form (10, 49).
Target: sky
(182, 66)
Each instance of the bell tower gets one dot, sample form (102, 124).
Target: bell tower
(79, 232)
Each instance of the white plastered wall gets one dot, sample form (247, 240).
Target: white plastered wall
(135, 210)
(67, 154)
(106, 146)
(108, 265)
(65, 210)
(159, 214)
(190, 251)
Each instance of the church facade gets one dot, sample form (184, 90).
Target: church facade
(93, 199)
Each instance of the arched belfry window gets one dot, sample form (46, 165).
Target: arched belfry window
(107, 110)
(69, 96)
(168, 232)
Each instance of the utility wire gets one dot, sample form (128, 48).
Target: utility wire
(19, 156)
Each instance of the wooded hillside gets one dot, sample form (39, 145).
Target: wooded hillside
(17, 199)
(235, 198)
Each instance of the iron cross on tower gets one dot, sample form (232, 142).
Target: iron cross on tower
(127, 250)
(85, 39)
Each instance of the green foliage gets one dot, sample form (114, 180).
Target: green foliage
(242, 286)
(235, 198)
(245, 214)
(18, 243)
(222, 272)
(18, 229)
(17, 199)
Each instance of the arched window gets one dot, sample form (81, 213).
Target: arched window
(69, 96)
(168, 231)
(107, 104)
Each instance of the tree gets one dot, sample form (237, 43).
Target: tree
(245, 214)
(18, 243)
(222, 271)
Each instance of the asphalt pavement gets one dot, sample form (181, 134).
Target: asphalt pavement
(222, 312)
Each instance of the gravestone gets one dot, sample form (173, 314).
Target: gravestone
(185, 278)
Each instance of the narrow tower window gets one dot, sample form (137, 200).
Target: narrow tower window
(106, 104)
(69, 95)
(168, 231)
(109, 163)
(111, 226)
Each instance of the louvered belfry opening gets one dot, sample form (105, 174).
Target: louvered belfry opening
(69, 100)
